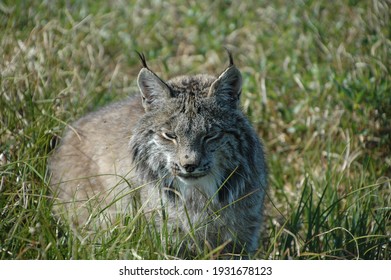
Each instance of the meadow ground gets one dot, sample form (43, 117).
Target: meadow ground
(317, 87)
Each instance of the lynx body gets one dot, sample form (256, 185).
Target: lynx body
(185, 149)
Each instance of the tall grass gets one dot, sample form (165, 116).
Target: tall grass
(317, 87)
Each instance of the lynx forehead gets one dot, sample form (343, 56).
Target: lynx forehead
(187, 143)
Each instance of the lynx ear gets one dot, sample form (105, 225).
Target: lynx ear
(153, 89)
(228, 86)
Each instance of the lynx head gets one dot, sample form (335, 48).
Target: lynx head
(191, 131)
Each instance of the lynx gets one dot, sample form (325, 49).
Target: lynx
(185, 149)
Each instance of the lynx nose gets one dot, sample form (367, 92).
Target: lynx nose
(190, 162)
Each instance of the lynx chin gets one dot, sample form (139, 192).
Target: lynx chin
(181, 152)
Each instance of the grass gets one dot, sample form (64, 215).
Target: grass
(317, 87)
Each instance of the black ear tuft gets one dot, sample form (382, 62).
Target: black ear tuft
(231, 60)
(143, 59)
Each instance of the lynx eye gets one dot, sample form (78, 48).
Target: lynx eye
(169, 135)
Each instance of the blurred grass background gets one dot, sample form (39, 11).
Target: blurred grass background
(317, 87)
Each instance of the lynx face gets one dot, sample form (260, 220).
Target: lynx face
(190, 153)
(190, 124)
(190, 146)
(195, 145)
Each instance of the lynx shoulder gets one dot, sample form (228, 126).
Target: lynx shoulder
(184, 149)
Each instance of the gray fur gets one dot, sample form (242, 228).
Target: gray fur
(186, 149)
